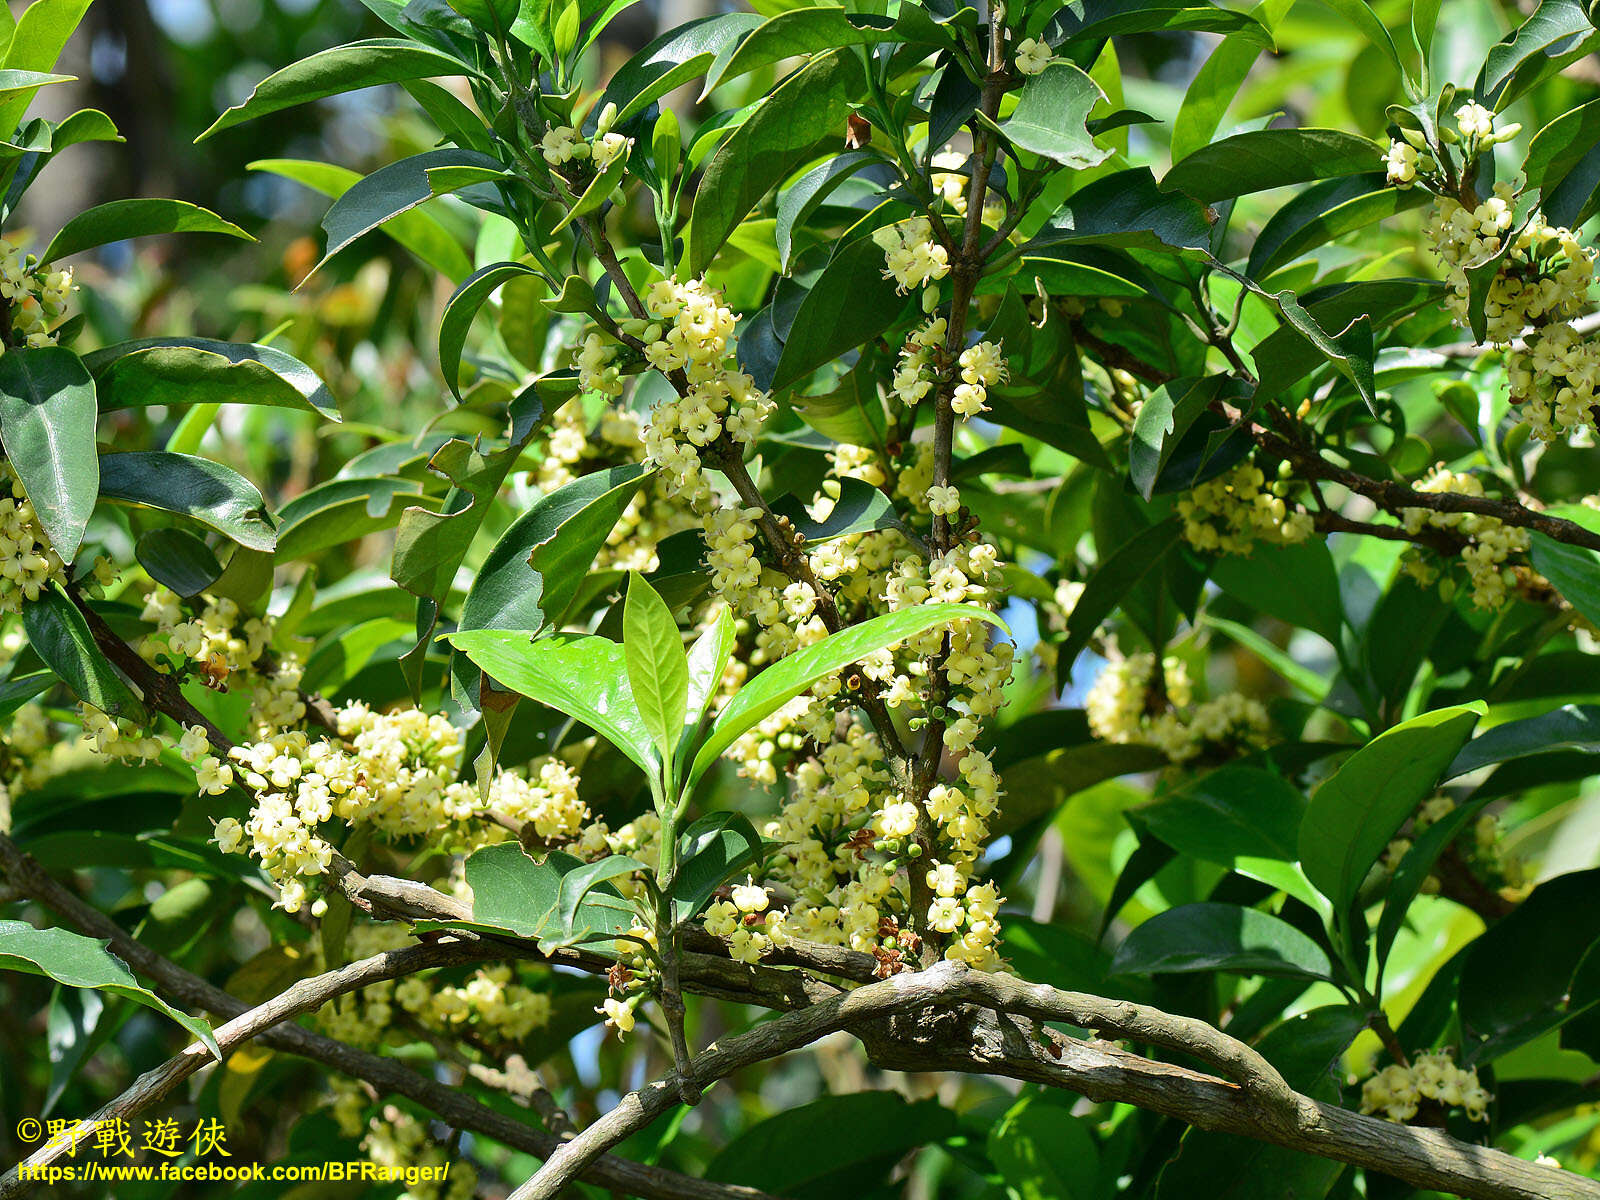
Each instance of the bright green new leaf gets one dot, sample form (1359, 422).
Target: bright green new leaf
(1357, 811)
(658, 667)
(788, 677)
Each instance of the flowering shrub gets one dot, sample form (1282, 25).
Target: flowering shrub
(918, 547)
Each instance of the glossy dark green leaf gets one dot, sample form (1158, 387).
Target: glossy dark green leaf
(1325, 211)
(1360, 808)
(1552, 28)
(389, 192)
(119, 220)
(1165, 417)
(858, 508)
(1118, 572)
(60, 636)
(1296, 583)
(47, 423)
(797, 201)
(341, 510)
(1570, 727)
(429, 546)
(1128, 209)
(1088, 20)
(1266, 158)
(788, 677)
(808, 106)
(713, 851)
(177, 559)
(674, 58)
(1516, 980)
(201, 371)
(341, 69)
(537, 566)
(1573, 570)
(83, 962)
(849, 303)
(462, 306)
(1220, 937)
(836, 1146)
(210, 493)
(418, 230)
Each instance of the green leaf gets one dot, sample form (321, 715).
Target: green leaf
(1128, 209)
(47, 418)
(173, 371)
(122, 219)
(390, 192)
(513, 893)
(1549, 33)
(210, 493)
(429, 545)
(1574, 571)
(578, 884)
(858, 508)
(1323, 212)
(419, 232)
(836, 1146)
(1360, 808)
(177, 559)
(850, 303)
(83, 962)
(59, 634)
(535, 569)
(1115, 577)
(708, 660)
(1243, 818)
(1297, 583)
(808, 106)
(797, 201)
(1051, 116)
(658, 667)
(462, 306)
(341, 510)
(1412, 873)
(1516, 980)
(1570, 727)
(1165, 417)
(1220, 937)
(788, 677)
(1307, 1050)
(673, 59)
(712, 851)
(580, 675)
(798, 33)
(341, 69)
(1043, 1152)
(1218, 80)
(492, 16)
(1266, 158)
(1350, 351)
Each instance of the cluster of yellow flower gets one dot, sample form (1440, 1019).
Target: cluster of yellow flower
(562, 144)
(1489, 543)
(745, 922)
(693, 334)
(1410, 159)
(395, 772)
(1231, 513)
(229, 649)
(38, 296)
(1486, 851)
(1396, 1092)
(28, 563)
(1129, 704)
